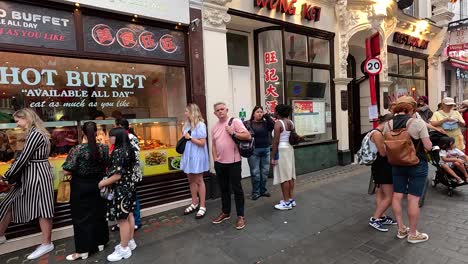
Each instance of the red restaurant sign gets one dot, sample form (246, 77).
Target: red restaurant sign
(309, 12)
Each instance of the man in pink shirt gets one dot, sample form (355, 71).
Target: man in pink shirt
(227, 162)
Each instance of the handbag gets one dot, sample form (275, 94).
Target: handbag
(107, 192)
(294, 138)
(180, 146)
(63, 190)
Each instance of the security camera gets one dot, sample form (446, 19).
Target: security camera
(194, 24)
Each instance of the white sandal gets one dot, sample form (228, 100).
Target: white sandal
(191, 209)
(201, 213)
(76, 256)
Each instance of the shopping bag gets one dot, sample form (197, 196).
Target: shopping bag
(63, 191)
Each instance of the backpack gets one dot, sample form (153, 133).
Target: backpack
(366, 155)
(246, 147)
(400, 147)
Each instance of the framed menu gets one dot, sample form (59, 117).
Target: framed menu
(309, 117)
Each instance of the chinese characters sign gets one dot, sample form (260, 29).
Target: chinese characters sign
(35, 26)
(271, 80)
(117, 37)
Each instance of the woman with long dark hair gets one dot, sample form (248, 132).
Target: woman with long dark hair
(262, 124)
(87, 163)
(284, 168)
(137, 173)
(120, 180)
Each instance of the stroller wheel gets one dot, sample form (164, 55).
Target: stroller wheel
(433, 183)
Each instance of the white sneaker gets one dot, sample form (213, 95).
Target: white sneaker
(293, 202)
(2, 239)
(283, 206)
(41, 251)
(119, 254)
(132, 244)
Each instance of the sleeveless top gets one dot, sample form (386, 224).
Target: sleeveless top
(284, 136)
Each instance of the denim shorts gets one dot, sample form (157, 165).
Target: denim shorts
(410, 180)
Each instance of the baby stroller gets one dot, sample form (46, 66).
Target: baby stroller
(441, 176)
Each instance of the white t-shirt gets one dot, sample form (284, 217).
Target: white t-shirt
(451, 153)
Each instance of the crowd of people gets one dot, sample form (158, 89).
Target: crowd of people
(394, 181)
(104, 177)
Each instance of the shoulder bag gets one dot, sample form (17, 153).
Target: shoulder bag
(180, 146)
(294, 138)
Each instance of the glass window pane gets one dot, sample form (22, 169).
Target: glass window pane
(392, 63)
(238, 49)
(406, 86)
(312, 85)
(295, 47)
(319, 51)
(406, 66)
(79, 89)
(419, 67)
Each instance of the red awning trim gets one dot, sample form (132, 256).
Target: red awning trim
(459, 64)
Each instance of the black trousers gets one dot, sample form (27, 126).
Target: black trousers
(229, 178)
(88, 212)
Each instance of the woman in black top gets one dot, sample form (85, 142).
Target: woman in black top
(87, 164)
(261, 124)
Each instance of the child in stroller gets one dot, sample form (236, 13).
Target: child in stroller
(442, 141)
(451, 158)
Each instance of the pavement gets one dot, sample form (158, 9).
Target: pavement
(329, 225)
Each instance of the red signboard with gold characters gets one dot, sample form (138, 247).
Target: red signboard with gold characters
(123, 38)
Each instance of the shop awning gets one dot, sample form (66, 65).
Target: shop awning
(459, 63)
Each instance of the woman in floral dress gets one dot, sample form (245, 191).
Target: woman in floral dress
(87, 164)
(120, 180)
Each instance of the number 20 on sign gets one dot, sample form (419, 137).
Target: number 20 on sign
(373, 66)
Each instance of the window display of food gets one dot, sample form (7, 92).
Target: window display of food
(157, 138)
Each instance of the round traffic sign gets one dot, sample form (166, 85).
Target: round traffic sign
(373, 66)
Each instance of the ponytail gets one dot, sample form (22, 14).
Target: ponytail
(90, 130)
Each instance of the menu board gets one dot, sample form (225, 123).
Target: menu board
(30, 25)
(309, 117)
(122, 38)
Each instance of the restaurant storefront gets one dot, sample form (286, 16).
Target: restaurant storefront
(72, 63)
(277, 52)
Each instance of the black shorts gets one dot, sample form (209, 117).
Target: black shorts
(382, 171)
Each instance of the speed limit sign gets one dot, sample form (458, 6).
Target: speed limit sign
(373, 66)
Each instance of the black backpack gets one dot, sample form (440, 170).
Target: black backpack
(246, 147)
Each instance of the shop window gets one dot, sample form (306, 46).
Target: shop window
(405, 65)
(448, 82)
(319, 51)
(419, 67)
(296, 47)
(392, 63)
(406, 86)
(238, 49)
(66, 90)
(308, 90)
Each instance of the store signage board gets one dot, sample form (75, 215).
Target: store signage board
(458, 39)
(411, 41)
(309, 117)
(169, 10)
(30, 25)
(123, 38)
(288, 7)
(271, 79)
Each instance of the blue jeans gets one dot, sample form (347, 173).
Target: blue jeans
(411, 179)
(259, 164)
(136, 212)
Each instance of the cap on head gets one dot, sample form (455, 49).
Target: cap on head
(407, 100)
(448, 101)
